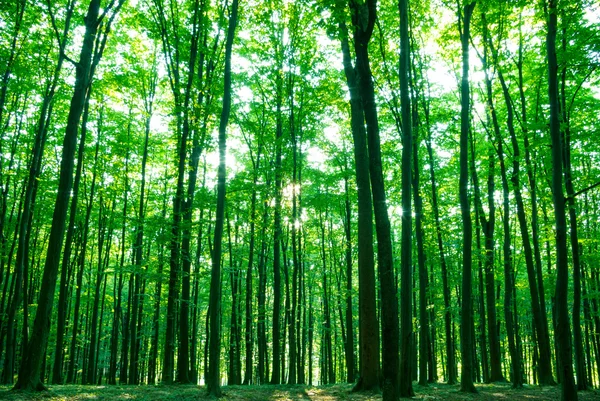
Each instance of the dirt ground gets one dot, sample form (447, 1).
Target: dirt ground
(336, 392)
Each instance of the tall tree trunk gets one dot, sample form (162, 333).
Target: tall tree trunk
(449, 345)
(424, 338)
(234, 351)
(90, 374)
(510, 316)
(543, 373)
(406, 333)
(213, 379)
(286, 305)
(349, 346)
(488, 224)
(562, 329)
(20, 274)
(545, 366)
(277, 234)
(466, 343)
(248, 377)
(57, 371)
(71, 371)
(364, 18)
(118, 314)
(327, 374)
(153, 360)
(139, 229)
(485, 369)
(367, 310)
(580, 368)
(261, 336)
(292, 375)
(29, 374)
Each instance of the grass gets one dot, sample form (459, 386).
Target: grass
(335, 392)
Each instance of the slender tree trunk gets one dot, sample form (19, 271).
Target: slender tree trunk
(450, 373)
(367, 310)
(20, 273)
(234, 351)
(406, 368)
(580, 368)
(488, 225)
(71, 372)
(248, 377)
(562, 329)
(292, 375)
(153, 360)
(57, 371)
(485, 369)
(213, 379)
(466, 342)
(509, 316)
(92, 357)
(30, 372)
(276, 368)
(118, 314)
(261, 295)
(90, 374)
(424, 339)
(349, 346)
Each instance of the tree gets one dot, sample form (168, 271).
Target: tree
(29, 373)
(368, 333)
(305, 141)
(562, 329)
(213, 379)
(406, 336)
(466, 343)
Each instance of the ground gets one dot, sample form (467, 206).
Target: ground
(434, 392)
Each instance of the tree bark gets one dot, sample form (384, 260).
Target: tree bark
(488, 224)
(248, 374)
(90, 374)
(213, 378)
(562, 329)
(406, 368)
(349, 346)
(29, 374)
(367, 310)
(466, 343)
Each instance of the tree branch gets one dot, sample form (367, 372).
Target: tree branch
(567, 198)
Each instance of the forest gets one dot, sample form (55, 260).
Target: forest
(396, 195)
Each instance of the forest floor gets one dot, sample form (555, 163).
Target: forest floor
(336, 392)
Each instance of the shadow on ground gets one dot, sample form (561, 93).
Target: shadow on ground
(433, 392)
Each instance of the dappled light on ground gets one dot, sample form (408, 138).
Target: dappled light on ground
(434, 392)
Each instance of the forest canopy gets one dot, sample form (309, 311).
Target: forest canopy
(300, 192)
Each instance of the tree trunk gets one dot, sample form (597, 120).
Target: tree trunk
(213, 380)
(248, 377)
(451, 362)
(261, 335)
(580, 369)
(367, 310)
(349, 346)
(406, 368)
(562, 329)
(509, 285)
(488, 224)
(57, 371)
(466, 343)
(29, 374)
(277, 234)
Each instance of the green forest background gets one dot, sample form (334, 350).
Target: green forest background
(201, 191)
